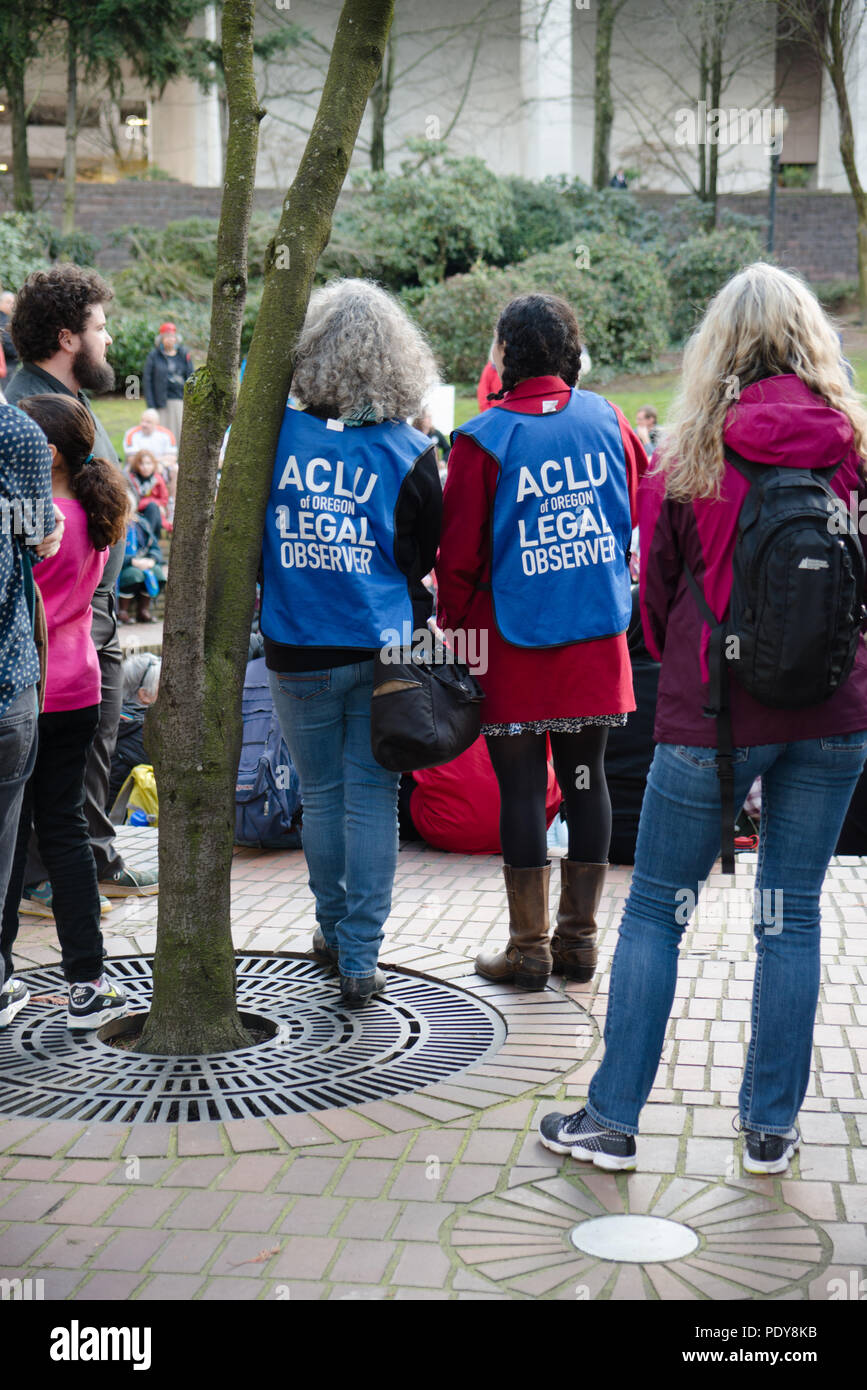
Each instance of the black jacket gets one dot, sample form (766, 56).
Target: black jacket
(156, 375)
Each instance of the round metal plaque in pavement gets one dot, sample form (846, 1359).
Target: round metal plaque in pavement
(634, 1239)
(322, 1055)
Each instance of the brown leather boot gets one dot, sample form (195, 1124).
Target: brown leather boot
(123, 610)
(144, 608)
(527, 958)
(574, 941)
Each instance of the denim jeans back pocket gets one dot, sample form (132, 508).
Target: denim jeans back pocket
(706, 757)
(303, 685)
(840, 743)
(16, 740)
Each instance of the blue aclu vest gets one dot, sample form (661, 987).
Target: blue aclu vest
(330, 577)
(561, 526)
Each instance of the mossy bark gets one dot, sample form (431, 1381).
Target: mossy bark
(22, 187)
(603, 106)
(195, 731)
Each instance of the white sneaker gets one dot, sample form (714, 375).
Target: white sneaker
(93, 1004)
(14, 996)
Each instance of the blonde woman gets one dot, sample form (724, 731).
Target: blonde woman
(766, 343)
(352, 529)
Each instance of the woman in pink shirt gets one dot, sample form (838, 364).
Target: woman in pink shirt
(93, 498)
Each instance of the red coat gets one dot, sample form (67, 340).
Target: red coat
(457, 806)
(489, 382)
(582, 678)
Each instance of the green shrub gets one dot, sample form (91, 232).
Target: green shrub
(134, 333)
(80, 247)
(835, 295)
(132, 339)
(22, 248)
(794, 176)
(620, 296)
(612, 211)
(417, 227)
(701, 266)
(543, 218)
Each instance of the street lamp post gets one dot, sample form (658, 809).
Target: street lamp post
(779, 121)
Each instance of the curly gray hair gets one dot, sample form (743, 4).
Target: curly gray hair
(359, 348)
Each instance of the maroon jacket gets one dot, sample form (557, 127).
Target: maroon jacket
(776, 421)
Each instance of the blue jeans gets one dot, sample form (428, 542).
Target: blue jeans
(17, 757)
(350, 806)
(806, 789)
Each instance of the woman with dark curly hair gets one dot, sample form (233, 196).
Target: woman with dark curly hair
(539, 507)
(92, 496)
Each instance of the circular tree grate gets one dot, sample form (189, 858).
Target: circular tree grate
(322, 1055)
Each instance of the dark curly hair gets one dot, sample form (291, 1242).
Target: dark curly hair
(541, 337)
(95, 483)
(50, 300)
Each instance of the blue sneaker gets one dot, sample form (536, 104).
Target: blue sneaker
(37, 901)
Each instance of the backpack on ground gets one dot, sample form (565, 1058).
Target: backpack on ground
(267, 791)
(796, 608)
(138, 794)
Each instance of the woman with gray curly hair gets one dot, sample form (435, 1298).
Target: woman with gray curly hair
(352, 529)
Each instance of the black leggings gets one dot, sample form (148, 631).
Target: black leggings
(521, 766)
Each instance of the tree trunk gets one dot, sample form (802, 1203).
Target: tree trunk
(193, 1006)
(69, 160)
(702, 134)
(195, 733)
(380, 100)
(21, 184)
(838, 40)
(716, 58)
(603, 107)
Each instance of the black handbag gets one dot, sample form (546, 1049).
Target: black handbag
(426, 710)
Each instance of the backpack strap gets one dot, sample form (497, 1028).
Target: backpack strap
(719, 708)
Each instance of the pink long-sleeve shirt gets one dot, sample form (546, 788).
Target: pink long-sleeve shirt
(67, 582)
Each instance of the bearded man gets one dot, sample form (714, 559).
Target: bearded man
(60, 333)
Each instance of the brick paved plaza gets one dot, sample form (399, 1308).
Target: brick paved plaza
(445, 1193)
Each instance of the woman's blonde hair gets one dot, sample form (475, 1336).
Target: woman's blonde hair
(358, 349)
(764, 322)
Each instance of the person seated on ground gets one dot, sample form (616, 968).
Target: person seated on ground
(456, 806)
(151, 435)
(160, 442)
(144, 477)
(647, 427)
(629, 751)
(141, 685)
(144, 571)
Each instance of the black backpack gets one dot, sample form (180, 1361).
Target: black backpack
(796, 608)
